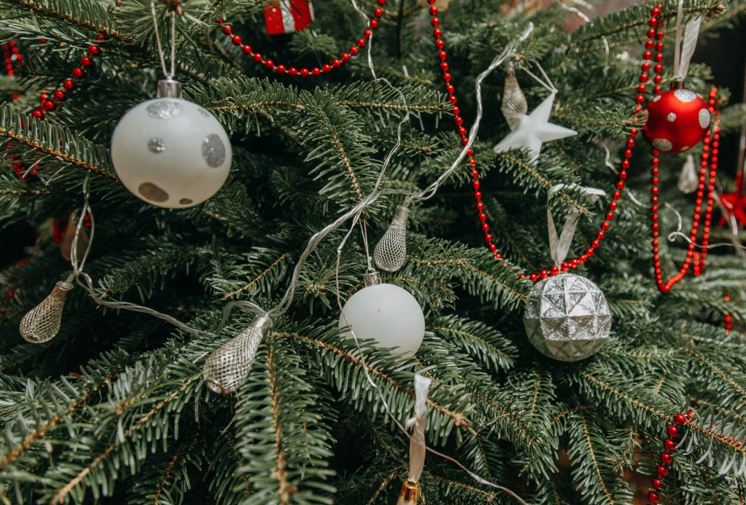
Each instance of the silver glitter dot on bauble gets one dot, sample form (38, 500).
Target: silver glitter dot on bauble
(671, 117)
(567, 317)
(164, 109)
(213, 150)
(156, 145)
(685, 95)
(704, 118)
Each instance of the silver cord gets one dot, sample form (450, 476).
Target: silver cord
(160, 46)
(84, 280)
(678, 233)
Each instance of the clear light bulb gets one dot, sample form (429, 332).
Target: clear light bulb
(229, 366)
(391, 251)
(42, 323)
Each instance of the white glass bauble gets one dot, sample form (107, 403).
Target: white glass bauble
(386, 314)
(171, 152)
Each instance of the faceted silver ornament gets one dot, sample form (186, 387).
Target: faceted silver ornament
(567, 317)
(164, 109)
(42, 323)
(228, 367)
(391, 251)
(213, 150)
(156, 145)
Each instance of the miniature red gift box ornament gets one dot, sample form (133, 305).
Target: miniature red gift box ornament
(287, 16)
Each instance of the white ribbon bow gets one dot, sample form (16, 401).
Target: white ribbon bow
(559, 246)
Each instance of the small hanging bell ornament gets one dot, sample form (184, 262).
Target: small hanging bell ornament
(66, 245)
(386, 314)
(229, 366)
(688, 178)
(567, 317)
(410, 490)
(42, 323)
(514, 105)
(391, 251)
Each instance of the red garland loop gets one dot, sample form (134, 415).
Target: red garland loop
(304, 72)
(48, 103)
(666, 458)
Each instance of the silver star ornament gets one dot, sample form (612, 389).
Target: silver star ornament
(533, 130)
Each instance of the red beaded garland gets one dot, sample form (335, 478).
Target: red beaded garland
(304, 72)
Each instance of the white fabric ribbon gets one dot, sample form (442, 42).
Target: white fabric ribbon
(417, 448)
(559, 245)
(683, 52)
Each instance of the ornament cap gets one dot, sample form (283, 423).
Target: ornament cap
(402, 211)
(169, 88)
(409, 493)
(372, 278)
(677, 83)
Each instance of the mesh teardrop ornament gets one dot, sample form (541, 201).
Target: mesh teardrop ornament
(229, 366)
(514, 105)
(66, 246)
(42, 323)
(391, 251)
(688, 178)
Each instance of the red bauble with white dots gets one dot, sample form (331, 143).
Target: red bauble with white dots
(676, 121)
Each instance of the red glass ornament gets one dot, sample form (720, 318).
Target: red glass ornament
(677, 120)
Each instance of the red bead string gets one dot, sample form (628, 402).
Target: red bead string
(304, 72)
(49, 102)
(11, 57)
(461, 129)
(698, 260)
(728, 318)
(666, 457)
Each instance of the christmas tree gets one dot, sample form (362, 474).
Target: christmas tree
(440, 145)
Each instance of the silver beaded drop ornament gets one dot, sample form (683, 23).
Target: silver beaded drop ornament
(567, 317)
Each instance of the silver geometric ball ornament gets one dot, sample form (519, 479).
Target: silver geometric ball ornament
(567, 317)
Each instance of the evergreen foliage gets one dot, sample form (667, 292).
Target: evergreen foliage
(114, 409)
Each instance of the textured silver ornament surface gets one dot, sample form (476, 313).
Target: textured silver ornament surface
(391, 251)
(42, 323)
(228, 367)
(567, 317)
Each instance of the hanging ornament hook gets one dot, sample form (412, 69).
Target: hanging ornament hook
(168, 87)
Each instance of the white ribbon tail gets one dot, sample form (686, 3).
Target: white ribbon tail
(689, 45)
(417, 447)
(559, 244)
